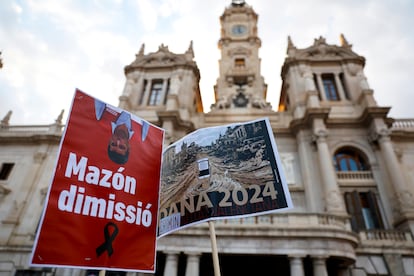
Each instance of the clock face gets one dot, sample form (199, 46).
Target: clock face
(239, 29)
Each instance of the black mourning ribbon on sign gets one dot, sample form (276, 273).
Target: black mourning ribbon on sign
(107, 245)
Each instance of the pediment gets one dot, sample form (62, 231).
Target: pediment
(163, 57)
(321, 50)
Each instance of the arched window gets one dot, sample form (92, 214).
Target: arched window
(349, 159)
(362, 205)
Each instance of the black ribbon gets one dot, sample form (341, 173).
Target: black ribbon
(107, 245)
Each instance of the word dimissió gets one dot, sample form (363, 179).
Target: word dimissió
(74, 200)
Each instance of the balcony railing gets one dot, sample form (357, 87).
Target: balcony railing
(355, 178)
(32, 129)
(379, 238)
(281, 225)
(355, 175)
(403, 124)
(288, 220)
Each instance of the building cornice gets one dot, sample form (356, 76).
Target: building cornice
(306, 121)
(320, 52)
(163, 59)
(174, 117)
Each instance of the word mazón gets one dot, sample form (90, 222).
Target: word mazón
(94, 175)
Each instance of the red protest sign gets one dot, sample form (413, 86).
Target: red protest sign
(102, 204)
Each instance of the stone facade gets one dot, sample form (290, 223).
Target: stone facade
(348, 165)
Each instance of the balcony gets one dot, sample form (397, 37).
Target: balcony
(386, 235)
(281, 225)
(355, 178)
(382, 241)
(403, 124)
(276, 234)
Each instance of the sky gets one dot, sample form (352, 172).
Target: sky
(50, 48)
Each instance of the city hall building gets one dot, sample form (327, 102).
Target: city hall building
(348, 165)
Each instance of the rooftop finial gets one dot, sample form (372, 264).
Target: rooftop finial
(190, 50)
(1, 62)
(290, 43)
(163, 48)
(6, 119)
(291, 47)
(141, 50)
(344, 42)
(59, 118)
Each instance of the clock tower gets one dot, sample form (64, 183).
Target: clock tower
(240, 84)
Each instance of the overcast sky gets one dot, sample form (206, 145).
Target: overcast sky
(51, 47)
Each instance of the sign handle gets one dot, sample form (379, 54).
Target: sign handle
(214, 252)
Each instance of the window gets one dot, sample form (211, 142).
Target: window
(239, 63)
(348, 159)
(6, 168)
(156, 90)
(372, 265)
(329, 86)
(364, 211)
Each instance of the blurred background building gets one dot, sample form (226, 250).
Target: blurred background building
(349, 166)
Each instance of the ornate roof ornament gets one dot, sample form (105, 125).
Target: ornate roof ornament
(320, 50)
(291, 47)
(6, 119)
(344, 42)
(290, 43)
(60, 117)
(162, 58)
(319, 41)
(163, 48)
(190, 51)
(141, 50)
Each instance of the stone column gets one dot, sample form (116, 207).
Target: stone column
(321, 87)
(171, 264)
(403, 193)
(340, 88)
(333, 198)
(296, 266)
(306, 165)
(193, 264)
(319, 266)
(164, 91)
(137, 92)
(147, 91)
